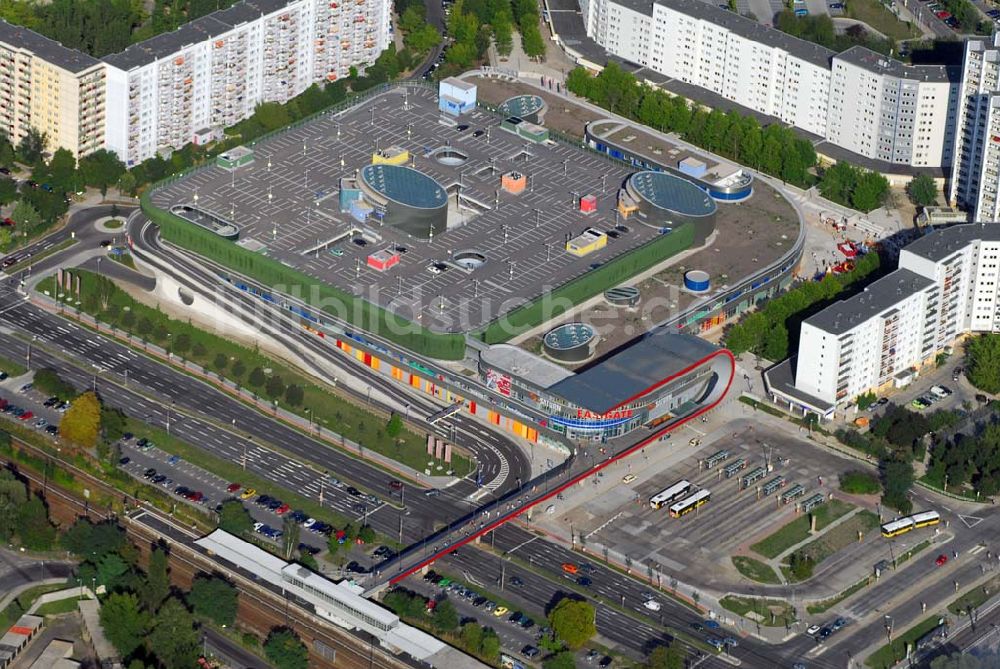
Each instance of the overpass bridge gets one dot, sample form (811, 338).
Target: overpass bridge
(522, 500)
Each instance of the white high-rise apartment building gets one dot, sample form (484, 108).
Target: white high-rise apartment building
(975, 173)
(176, 87)
(858, 99)
(946, 286)
(57, 91)
(213, 72)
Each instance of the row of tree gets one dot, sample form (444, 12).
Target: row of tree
(150, 622)
(771, 331)
(971, 460)
(773, 149)
(24, 518)
(854, 187)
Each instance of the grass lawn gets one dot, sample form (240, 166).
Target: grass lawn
(838, 538)
(123, 259)
(11, 367)
(973, 598)
(889, 654)
(755, 570)
(769, 612)
(797, 530)
(24, 601)
(232, 471)
(102, 298)
(876, 15)
(115, 224)
(827, 604)
(58, 607)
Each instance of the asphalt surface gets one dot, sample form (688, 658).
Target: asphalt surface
(17, 569)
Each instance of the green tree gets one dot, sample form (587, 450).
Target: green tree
(81, 423)
(445, 616)
(573, 621)
(48, 381)
(173, 638)
(31, 147)
(220, 362)
(897, 478)
(665, 657)
(503, 34)
(13, 495)
(111, 570)
(257, 377)
(801, 565)
(25, 216)
(866, 400)
(285, 650)
(234, 518)
(367, 534)
(113, 423)
(275, 387)
(490, 647)
(62, 171)
(124, 623)
(8, 191)
(157, 586)
(983, 362)
(6, 237)
(127, 183)
(870, 191)
(922, 190)
(294, 395)
(859, 483)
(102, 169)
(214, 598)
(92, 542)
(181, 344)
(563, 660)
(395, 426)
(472, 636)
(33, 527)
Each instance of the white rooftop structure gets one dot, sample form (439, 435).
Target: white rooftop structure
(341, 603)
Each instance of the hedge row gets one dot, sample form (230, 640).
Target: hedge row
(552, 304)
(323, 297)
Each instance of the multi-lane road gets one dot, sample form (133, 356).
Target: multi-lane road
(204, 416)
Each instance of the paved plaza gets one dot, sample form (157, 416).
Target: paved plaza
(286, 204)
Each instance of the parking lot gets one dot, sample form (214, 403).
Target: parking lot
(150, 464)
(701, 543)
(286, 204)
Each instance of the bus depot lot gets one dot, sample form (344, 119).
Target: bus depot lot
(292, 207)
(700, 544)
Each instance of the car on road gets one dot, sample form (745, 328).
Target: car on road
(283, 509)
(530, 652)
(570, 568)
(27, 415)
(824, 633)
(52, 429)
(516, 581)
(257, 527)
(711, 624)
(715, 642)
(941, 391)
(40, 423)
(628, 478)
(395, 485)
(694, 441)
(173, 459)
(248, 493)
(149, 473)
(233, 487)
(605, 662)
(124, 461)
(941, 560)
(812, 630)
(652, 605)
(351, 490)
(697, 627)
(461, 128)
(499, 611)
(515, 618)
(585, 581)
(838, 624)
(159, 478)
(432, 492)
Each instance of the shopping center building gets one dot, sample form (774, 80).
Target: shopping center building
(661, 379)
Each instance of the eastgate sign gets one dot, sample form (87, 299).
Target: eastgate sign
(583, 414)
